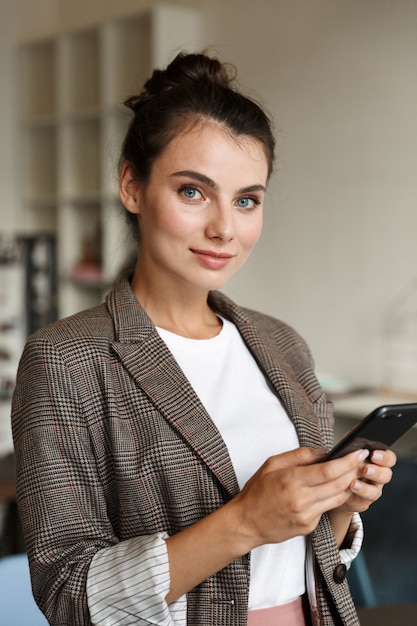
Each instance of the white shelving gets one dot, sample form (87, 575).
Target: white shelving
(38, 81)
(78, 86)
(72, 125)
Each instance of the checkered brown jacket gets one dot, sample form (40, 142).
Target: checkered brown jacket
(106, 427)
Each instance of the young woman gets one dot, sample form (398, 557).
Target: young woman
(167, 440)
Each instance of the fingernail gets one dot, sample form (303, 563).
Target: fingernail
(377, 456)
(363, 454)
(357, 485)
(369, 471)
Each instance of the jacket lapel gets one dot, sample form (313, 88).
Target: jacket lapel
(150, 363)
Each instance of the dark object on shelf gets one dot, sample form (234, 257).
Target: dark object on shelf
(6, 388)
(11, 536)
(39, 258)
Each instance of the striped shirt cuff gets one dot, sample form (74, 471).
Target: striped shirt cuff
(127, 584)
(354, 539)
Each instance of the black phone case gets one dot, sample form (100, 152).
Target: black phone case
(378, 431)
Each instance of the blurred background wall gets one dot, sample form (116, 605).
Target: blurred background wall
(339, 78)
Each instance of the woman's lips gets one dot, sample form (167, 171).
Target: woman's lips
(213, 260)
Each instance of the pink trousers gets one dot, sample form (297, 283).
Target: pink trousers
(290, 614)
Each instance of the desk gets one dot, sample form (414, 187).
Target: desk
(357, 405)
(11, 540)
(351, 408)
(397, 615)
(7, 489)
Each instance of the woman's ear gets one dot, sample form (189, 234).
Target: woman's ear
(129, 189)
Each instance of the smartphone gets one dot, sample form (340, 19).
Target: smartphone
(378, 431)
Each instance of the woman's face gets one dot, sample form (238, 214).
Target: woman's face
(200, 214)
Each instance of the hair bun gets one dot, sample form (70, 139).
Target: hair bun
(194, 68)
(185, 69)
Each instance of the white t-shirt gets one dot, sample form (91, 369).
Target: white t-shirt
(254, 426)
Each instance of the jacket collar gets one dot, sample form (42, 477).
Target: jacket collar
(150, 363)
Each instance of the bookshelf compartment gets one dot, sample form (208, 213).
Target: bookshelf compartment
(81, 248)
(38, 71)
(74, 297)
(79, 81)
(79, 174)
(40, 159)
(127, 57)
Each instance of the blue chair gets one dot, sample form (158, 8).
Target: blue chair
(360, 583)
(17, 606)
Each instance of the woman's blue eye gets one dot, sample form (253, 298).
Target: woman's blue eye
(191, 193)
(247, 203)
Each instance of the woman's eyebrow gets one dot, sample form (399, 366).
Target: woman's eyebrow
(252, 188)
(197, 176)
(210, 182)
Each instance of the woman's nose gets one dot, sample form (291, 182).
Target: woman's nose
(221, 223)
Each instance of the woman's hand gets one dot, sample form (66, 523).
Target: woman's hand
(289, 493)
(367, 488)
(364, 490)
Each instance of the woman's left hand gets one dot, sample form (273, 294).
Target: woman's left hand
(376, 473)
(364, 490)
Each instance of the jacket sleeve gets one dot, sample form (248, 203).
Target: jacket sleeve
(62, 502)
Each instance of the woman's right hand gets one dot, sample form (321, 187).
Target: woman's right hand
(288, 494)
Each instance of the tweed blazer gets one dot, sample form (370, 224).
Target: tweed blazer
(113, 443)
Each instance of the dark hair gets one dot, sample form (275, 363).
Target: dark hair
(192, 88)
